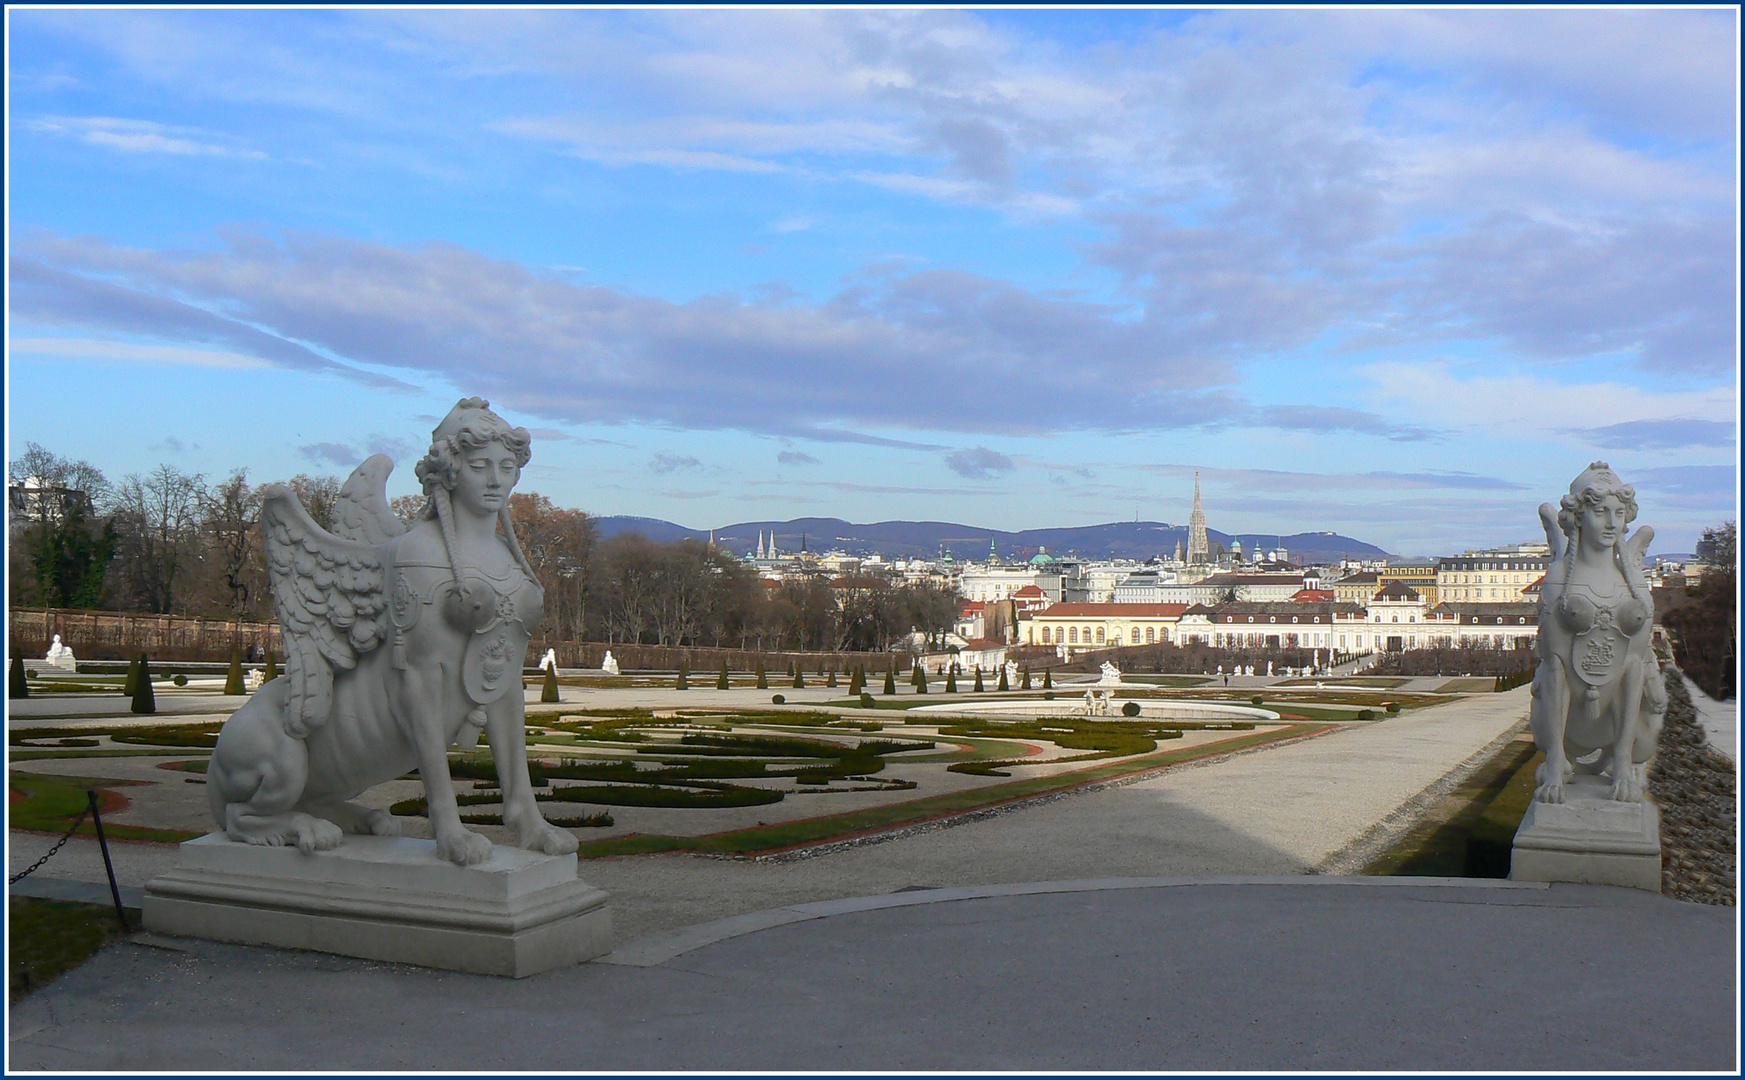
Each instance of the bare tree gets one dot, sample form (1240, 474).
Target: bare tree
(559, 545)
(157, 520)
(319, 494)
(231, 510)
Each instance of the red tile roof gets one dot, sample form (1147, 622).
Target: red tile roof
(1124, 611)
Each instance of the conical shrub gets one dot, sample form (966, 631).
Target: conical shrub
(920, 678)
(1047, 679)
(1004, 683)
(684, 680)
(978, 688)
(891, 679)
(799, 679)
(721, 682)
(17, 686)
(951, 680)
(830, 678)
(1024, 677)
(792, 670)
(143, 699)
(128, 684)
(233, 684)
(548, 692)
(762, 676)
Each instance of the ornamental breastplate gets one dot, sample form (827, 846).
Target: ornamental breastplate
(497, 615)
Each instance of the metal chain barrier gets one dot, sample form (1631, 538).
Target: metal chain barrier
(37, 865)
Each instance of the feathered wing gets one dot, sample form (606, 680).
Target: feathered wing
(362, 512)
(331, 599)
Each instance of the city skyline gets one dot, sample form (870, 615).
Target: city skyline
(1398, 275)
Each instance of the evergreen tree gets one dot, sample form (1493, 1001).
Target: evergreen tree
(891, 679)
(1048, 678)
(920, 678)
(792, 670)
(951, 680)
(1005, 684)
(143, 700)
(548, 692)
(762, 678)
(1024, 677)
(721, 682)
(830, 679)
(233, 684)
(684, 680)
(132, 680)
(799, 679)
(978, 688)
(17, 686)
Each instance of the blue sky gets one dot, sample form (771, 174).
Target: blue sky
(1399, 274)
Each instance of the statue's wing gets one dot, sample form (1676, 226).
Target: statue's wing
(331, 601)
(362, 512)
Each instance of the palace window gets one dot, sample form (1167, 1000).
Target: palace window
(1099, 635)
(1072, 634)
(1045, 640)
(1149, 631)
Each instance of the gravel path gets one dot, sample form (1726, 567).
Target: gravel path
(1696, 787)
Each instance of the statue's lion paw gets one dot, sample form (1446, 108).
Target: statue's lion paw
(1626, 788)
(382, 823)
(1548, 793)
(463, 846)
(314, 834)
(550, 840)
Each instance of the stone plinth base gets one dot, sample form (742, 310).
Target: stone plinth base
(386, 898)
(1589, 838)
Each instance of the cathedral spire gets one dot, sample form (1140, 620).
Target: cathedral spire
(1199, 548)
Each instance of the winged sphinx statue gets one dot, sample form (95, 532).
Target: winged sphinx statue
(1598, 700)
(400, 642)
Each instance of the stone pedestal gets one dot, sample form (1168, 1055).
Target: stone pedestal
(1589, 838)
(386, 898)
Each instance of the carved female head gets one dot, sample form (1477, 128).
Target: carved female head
(1597, 508)
(474, 448)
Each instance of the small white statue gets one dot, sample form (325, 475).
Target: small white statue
(548, 662)
(400, 641)
(60, 656)
(1269, 669)
(1012, 674)
(609, 665)
(253, 679)
(1111, 675)
(1597, 694)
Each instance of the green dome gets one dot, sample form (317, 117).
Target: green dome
(1041, 557)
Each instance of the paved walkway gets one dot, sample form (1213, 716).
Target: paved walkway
(1719, 718)
(1316, 973)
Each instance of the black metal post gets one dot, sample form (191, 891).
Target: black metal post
(114, 889)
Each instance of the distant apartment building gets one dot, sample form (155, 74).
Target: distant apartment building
(1058, 579)
(1256, 588)
(1268, 625)
(1494, 576)
(1082, 627)
(1419, 576)
(1358, 588)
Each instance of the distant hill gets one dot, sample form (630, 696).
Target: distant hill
(902, 539)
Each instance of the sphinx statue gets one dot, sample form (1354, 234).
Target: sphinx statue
(400, 642)
(59, 656)
(1597, 697)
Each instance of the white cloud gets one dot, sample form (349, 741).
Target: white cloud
(140, 136)
(81, 348)
(1527, 404)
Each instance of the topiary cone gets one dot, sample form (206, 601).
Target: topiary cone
(762, 677)
(721, 682)
(132, 679)
(233, 684)
(890, 680)
(920, 678)
(1024, 681)
(978, 688)
(951, 681)
(143, 699)
(684, 680)
(799, 679)
(17, 686)
(548, 692)
(1004, 683)
(830, 678)
(1047, 679)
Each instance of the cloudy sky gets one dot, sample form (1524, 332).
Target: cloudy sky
(1400, 274)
